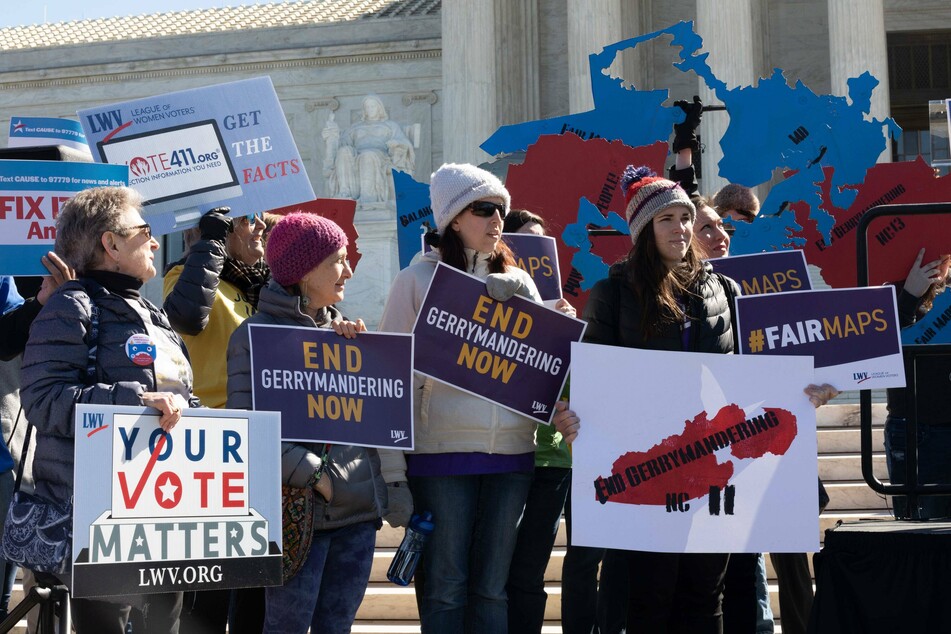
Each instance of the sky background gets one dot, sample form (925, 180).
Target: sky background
(22, 13)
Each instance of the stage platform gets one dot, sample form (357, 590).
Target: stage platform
(883, 577)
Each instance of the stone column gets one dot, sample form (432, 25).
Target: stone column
(592, 24)
(726, 29)
(857, 44)
(516, 61)
(469, 78)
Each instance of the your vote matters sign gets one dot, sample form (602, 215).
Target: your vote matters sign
(196, 508)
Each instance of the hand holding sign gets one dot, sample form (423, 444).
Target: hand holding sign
(168, 404)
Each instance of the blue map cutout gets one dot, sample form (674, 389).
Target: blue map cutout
(575, 235)
(773, 126)
(414, 216)
(935, 327)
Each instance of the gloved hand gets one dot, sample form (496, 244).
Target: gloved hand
(685, 134)
(215, 224)
(501, 287)
(400, 503)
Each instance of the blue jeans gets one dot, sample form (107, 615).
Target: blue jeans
(934, 466)
(467, 558)
(536, 537)
(329, 588)
(764, 611)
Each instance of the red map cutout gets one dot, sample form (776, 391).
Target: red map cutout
(560, 169)
(893, 241)
(686, 463)
(340, 210)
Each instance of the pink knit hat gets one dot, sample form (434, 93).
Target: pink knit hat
(298, 243)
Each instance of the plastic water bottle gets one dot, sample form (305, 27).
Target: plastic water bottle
(411, 549)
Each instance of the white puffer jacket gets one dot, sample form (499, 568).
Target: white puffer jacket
(446, 419)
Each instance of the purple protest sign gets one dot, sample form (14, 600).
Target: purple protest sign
(514, 353)
(331, 389)
(771, 272)
(537, 256)
(852, 333)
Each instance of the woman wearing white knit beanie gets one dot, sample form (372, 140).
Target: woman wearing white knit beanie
(473, 460)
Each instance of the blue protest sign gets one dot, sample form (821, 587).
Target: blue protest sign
(193, 150)
(771, 272)
(413, 215)
(33, 131)
(195, 508)
(514, 353)
(31, 194)
(932, 327)
(332, 389)
(852, 333)
(537, 256)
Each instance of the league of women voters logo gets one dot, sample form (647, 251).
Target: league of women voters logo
(178, 496)
(685, 466)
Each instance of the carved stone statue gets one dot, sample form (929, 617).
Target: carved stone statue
(357, 161)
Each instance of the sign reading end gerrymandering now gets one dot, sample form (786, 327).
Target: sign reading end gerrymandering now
(515, 353)
(332, 389)
(197, 508)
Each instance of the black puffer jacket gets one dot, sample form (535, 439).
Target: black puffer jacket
(614, 315)
(53, 375)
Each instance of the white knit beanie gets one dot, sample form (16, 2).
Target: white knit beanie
(454, 186)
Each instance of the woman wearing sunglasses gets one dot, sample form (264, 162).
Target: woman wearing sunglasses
(208, 294)
(473, 462)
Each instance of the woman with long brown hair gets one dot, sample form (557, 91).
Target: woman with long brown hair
(663, 297)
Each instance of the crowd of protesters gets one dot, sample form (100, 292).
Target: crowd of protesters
(495, 482)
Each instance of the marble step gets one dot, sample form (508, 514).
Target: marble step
(848, 467)
(847, 440)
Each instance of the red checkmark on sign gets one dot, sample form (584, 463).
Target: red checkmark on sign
(130, 502)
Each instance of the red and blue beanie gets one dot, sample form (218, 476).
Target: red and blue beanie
(647, 194)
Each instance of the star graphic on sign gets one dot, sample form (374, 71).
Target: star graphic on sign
(138, 541)
(19, 126)
(234, 533)
(168, 491)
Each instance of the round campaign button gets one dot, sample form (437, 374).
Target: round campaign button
(140, 349)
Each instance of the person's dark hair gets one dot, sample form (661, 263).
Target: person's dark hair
(658, 287)
(452, 252)
(518, 218)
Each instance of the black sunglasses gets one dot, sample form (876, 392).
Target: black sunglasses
(485, 209)
(130, 230)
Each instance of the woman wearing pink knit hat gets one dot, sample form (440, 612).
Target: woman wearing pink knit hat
(663, 297)
(307, 255)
